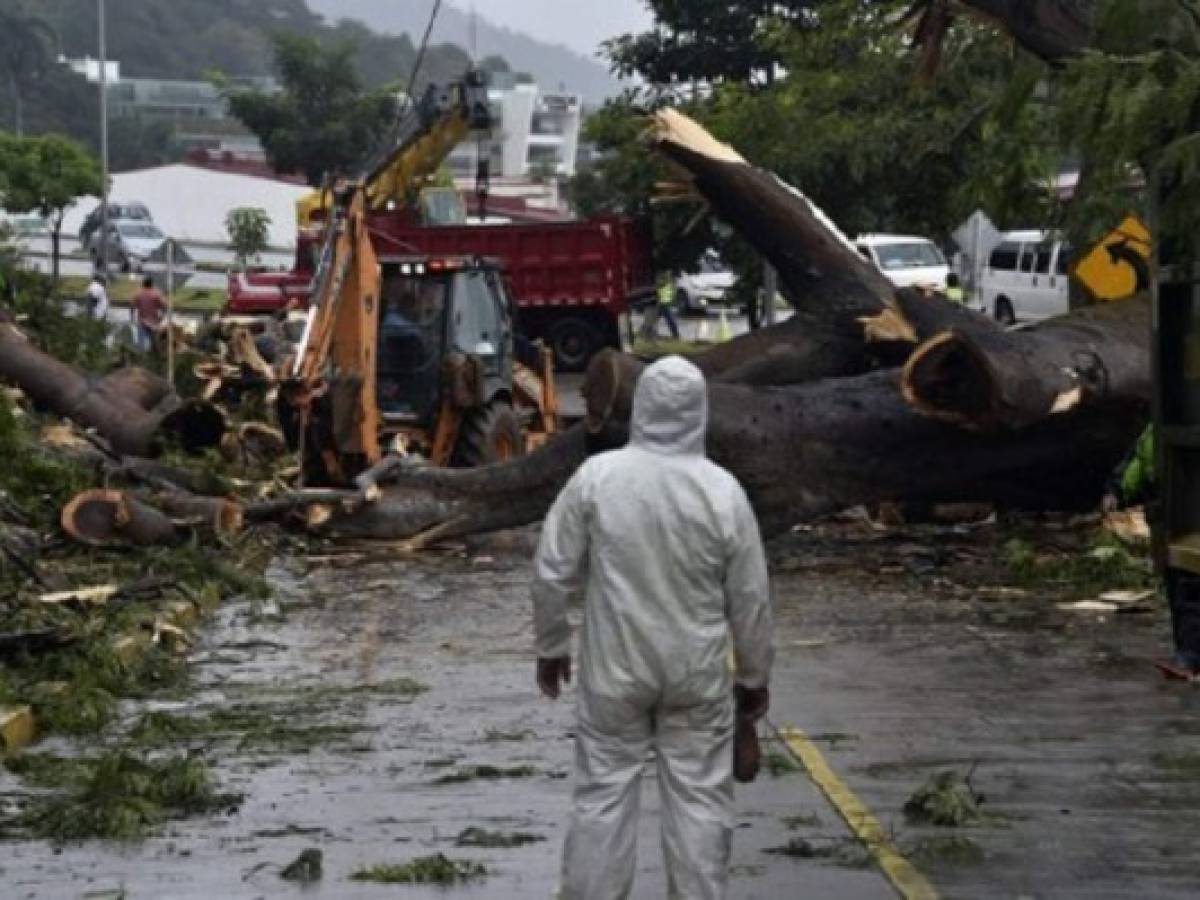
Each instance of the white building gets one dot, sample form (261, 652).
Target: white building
(534, 133)
(190, 203)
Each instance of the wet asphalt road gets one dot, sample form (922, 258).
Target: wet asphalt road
(897, 670)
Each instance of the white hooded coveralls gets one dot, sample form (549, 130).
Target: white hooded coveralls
(666, 548)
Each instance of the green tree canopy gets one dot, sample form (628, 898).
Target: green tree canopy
(248, 228)
(323, 121)
(849, 119)
(46, 175)
(708, 40)
(27, 51)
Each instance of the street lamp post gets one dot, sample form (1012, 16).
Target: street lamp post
(103, 140)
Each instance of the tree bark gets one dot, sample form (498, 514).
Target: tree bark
(1054, 30)
(219, 515)
(467, 501)
(103, 518)
(828, 282)
(981, 377)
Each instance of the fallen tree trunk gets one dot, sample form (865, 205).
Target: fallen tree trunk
(801, 452)
(811, 449)
(123, 422)
(136, 385)
(830, 285)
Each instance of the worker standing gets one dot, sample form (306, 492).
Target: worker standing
(97, 298)
(149, 309)
(1136, 481)
(666, 550)
(666, 303)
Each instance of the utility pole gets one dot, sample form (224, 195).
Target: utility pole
(103, 139)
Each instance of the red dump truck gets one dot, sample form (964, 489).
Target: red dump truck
(573, 282)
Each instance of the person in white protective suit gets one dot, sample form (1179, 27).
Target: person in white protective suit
(667, 551)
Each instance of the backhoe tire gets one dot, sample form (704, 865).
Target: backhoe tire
(489, 435)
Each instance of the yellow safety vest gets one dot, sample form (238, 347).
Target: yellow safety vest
(666, 294)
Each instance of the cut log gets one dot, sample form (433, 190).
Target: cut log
(124, 423)
(219, 515)
(978, 376)
(253, 443)
(102, 518)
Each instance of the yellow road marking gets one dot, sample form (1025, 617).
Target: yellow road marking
(908, 882)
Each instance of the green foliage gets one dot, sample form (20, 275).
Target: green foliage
(75, 340)
(481, 837)
(435, 869)
(708, 40)
(485, 772)
(46, 175)
(845, 116)
(1106, 564)
(248, 232)
(181, 39)
(946, 800)
(1132, 107)
(36, 482)
(883, 151)
(27, 42)
(119, 796)
(323, 122)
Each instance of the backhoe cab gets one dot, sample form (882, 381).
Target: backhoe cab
(433, 369)
(447, 380)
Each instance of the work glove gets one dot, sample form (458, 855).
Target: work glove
(552, 674)
(751, 705)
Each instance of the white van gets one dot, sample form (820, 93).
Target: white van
(1026, 278)
(906, 260)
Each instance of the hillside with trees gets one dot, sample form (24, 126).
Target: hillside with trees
(176, 39)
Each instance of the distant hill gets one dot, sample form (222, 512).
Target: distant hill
(191, 38)
(551, 65)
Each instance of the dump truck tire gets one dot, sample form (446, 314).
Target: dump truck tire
(490, 435)
(573, 341)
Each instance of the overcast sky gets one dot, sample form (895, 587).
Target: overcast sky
(580, 24)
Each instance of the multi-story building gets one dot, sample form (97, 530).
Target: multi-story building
(535, 134)
(196, 109)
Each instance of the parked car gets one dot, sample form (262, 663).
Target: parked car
(130, 243)
(694, 291)
(117, 210)
(906, 260)
(1026, 278)
(24, 229)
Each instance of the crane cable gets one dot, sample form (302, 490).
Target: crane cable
(412, 79)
